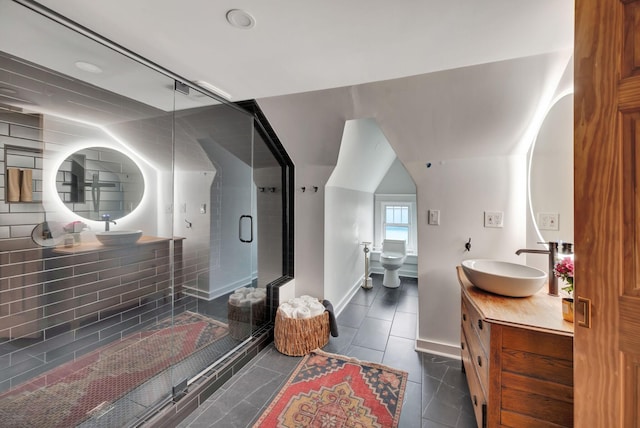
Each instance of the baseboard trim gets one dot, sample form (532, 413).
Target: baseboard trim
(438, 348)
(339, 307)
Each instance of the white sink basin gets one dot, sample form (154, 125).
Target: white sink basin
(119, 237)
(504, 278)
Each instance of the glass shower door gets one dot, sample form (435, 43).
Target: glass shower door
(215, 216)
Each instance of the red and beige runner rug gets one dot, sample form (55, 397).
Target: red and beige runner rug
(328, 390)
(74, 391)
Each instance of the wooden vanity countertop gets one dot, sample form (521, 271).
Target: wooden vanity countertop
(87, 246)
(539, 312)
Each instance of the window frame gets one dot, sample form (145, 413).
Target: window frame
(381, 201)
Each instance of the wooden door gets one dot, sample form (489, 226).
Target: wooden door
(607, 213)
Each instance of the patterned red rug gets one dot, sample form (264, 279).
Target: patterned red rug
(74, 391)
(328, 390)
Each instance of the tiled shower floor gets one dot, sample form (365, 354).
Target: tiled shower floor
(126, 410)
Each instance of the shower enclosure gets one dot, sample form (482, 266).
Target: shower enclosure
(144, 225)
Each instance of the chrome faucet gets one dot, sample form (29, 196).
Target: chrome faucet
(552, 252)
(107, 219)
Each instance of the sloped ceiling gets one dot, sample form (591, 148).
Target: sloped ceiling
(482, 110)
(364, 159)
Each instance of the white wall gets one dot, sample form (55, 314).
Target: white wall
(349, 221)
(462, 189)
(269, 224)
(309, 230)
(397, 181)
(364, 158)
(230, 267)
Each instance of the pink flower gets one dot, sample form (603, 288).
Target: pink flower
(564, 271)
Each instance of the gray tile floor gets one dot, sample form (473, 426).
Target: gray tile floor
(377, 325)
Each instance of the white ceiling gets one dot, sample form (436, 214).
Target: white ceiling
(299, 46)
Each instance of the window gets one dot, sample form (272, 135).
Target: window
(395, 218)
(396, 222)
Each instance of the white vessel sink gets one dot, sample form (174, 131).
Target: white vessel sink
(119, 237)
(504, 278)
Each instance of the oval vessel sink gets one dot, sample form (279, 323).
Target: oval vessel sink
(504, 278)
(119, 237)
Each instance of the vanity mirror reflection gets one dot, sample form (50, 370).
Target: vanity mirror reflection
(551, 174)
(100, 180)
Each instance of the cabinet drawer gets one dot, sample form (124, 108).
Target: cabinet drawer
(478, 398)
(472, 318)
(477, 356)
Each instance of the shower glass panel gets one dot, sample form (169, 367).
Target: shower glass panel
(99, 328)
(215, 214)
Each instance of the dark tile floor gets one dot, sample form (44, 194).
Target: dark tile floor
(377, 325)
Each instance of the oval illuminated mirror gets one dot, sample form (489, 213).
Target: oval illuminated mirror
(99, 180)
(551, 174)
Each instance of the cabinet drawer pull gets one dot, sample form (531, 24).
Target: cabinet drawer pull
(475, 401)
(479, 362)
(464, 317)
(462, 345)
(480, 324)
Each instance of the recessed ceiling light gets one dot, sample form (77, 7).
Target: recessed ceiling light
(88, 67)
(213, 89)
(240, 19)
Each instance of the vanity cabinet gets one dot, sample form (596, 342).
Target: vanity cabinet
(517, 354)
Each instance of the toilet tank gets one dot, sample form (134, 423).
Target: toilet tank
(394, 246)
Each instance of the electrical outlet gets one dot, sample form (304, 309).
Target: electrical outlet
(434, 217)
(548, 221)
(203, 208)
(493, 219)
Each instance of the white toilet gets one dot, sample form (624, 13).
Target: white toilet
(392, 257)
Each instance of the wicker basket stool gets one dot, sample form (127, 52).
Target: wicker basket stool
(298, 337)
(243, 319)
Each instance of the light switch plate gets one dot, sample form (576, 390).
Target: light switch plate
(548, 221)
(203, 208)
(434, 217)
(493, 218)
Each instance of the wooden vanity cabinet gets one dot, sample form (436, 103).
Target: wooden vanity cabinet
(518, 359)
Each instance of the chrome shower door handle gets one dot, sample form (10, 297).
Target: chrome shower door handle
(242, 217)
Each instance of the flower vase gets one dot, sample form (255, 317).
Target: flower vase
(567, 309)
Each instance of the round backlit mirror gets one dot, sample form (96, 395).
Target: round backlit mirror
(99, 180)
